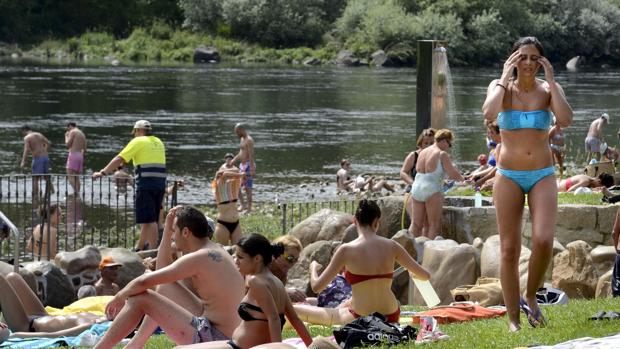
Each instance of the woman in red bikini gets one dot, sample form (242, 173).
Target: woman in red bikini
(369, 263)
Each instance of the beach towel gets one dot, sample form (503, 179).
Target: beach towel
(86, 338)
(458, 312)
(611, 342)
(95, 305)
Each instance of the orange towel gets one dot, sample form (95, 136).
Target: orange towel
(458, 312)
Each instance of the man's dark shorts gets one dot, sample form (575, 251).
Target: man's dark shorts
(148, 204)
(615, 277)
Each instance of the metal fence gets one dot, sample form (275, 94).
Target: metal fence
(295, 212)
(99, 213)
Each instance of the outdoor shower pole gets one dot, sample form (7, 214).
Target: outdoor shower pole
(424, 70)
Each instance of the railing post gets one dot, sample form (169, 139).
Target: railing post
(283, 218)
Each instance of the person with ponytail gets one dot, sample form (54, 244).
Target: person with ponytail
(369, 264)
(266, 302)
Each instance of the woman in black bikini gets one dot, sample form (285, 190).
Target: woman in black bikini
(266, 302)
(226, 192)
(369, 263)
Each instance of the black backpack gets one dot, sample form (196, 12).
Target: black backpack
(372, 329)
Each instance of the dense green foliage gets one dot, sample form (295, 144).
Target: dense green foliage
(478, 32)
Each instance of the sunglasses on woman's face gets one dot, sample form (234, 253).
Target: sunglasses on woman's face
(290, 258)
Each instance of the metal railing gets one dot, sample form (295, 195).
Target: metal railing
(100, 213)
(295, 212)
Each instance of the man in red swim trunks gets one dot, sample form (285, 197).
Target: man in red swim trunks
(76, 144)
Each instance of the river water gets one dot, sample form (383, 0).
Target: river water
(303, 120)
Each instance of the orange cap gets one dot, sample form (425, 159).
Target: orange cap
(107, 261)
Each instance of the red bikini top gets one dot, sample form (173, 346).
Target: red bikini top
(357, 278)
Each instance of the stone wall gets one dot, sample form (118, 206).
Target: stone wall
(592, 224)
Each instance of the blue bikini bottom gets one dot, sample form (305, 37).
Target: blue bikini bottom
(527, 179)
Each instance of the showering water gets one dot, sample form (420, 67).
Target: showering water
(443, 107)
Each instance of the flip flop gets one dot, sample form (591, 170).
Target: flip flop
(537, 319)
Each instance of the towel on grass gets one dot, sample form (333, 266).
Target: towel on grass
(83, 339)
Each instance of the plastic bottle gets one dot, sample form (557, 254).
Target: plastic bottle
(478, 198)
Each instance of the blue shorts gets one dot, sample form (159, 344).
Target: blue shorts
(148, 204)
(40, 165)
(248, 180)
(527, 179)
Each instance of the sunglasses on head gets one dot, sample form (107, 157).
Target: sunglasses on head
(289, 258)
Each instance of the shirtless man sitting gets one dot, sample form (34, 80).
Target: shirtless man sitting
(37, 144)
(76, 144)
(344, 182)
(198, 294)
(106, 286)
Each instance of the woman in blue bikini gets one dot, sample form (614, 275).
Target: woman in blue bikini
(522, 105)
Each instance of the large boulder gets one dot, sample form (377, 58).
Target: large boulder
(490, 258)
(6, 268)
(131, 261)
(347, 59)
(603, 286)
(574, 63)
(381, 59)
(450, 265)
(320, 251)
(603, 258)
(350, 233)
(323, 225)
(400, 286)
(81, 266)
(574, 271)
(206, 55)
(53, 286)
(391, 215)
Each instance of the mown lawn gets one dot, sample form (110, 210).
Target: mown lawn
(565, 323)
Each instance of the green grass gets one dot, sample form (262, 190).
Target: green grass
(565, 323)
(563, 198)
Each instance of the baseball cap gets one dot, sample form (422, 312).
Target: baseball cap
(605, 116)
(142, 125)
(228, 155)
(106, 262)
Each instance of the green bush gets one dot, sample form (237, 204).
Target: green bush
(202, 15)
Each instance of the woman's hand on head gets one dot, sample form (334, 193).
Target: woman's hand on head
(544, 62)
(510, 65)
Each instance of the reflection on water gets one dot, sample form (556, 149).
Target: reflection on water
(304, 120)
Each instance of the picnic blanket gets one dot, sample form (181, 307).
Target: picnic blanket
(85, 338)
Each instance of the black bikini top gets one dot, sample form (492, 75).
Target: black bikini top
(245, 315)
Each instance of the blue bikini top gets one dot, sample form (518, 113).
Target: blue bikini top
(517, 119)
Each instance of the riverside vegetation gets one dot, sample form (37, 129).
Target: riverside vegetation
(478, 32)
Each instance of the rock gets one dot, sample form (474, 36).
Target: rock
(6, 268)
(131, 261)
(14, 55)
(420, 241)
(400, 286)
(53, 287)
(312, 61)
(323, 225)
(603, 286)
(115, 62)
(574, 272)
(320, 251)
(346, 58)
(603, 258)
(391, 215)
(574, 63)
(350, 233)
(206, 55)
(81, 266)
(381, 59)
(557, 247)
(490, 258)
(450, 265)
(478, 244)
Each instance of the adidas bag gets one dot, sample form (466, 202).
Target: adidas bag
(370, 330)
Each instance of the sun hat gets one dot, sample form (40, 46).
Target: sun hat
(605, 116)
(108, 261)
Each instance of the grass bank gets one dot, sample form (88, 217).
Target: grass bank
(160, 44)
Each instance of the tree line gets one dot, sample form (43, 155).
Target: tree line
(478, 32)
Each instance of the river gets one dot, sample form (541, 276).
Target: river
(303, 119)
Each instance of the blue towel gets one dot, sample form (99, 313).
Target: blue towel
(40, 343)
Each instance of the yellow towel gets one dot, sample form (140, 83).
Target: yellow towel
(95, 305)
